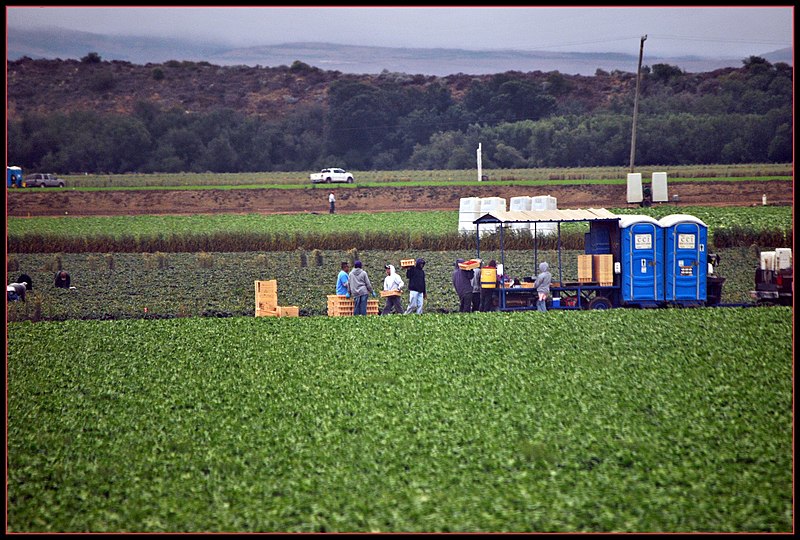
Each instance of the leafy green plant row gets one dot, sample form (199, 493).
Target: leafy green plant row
(768, 226)
(538, 176)
(221, 284)
(674, 420)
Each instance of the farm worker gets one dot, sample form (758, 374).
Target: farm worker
(416, 287)
(360, 288)
(342, 281)
(476, 290)
(542, 286)
(26, 279)
(462, 281)
(16, 291)
(487, 293)
(62, 279)
(392, 282)
(332, 200)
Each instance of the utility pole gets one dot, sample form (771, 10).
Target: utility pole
(478, 157)
(636, 100)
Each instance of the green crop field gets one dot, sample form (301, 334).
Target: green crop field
(150, 399)
(538, 176)
(673, 420)
(220, 284)
(432, 222)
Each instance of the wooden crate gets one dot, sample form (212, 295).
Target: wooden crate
(266, 296)
(266, 312)
(585, 268)
(372, 306)
(603, 269)
(405, 263)
(268, 286)
(266, 305)
(288, 311)
(471, 264)
(341, 306)
(391, 293)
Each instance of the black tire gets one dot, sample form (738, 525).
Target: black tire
(61, 184)
(350, 180)
(599, 302)
(327, 180)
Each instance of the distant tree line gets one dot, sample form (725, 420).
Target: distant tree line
(732, 116)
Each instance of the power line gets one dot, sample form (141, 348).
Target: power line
(711, 40)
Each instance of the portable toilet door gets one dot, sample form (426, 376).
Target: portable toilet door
(685, 258)
(642, 260)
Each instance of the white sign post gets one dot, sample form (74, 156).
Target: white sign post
(480, 172)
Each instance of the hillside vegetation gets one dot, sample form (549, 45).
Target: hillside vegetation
(114, 117)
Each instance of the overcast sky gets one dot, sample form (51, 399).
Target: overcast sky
(706, 31)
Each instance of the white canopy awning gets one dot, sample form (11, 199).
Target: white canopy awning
(547, 216)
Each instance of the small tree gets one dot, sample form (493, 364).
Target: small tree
(91, 58)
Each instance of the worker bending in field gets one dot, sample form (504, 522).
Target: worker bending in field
(62, 279)
(16, 291)
(542, 286)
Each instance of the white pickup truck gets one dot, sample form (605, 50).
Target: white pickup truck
(331, 175)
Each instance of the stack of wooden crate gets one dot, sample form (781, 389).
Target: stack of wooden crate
(585, 268)
(267, 301)
(603, 269)
(341, 306)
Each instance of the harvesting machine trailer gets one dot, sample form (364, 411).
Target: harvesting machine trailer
(774, 278)
(629, 261)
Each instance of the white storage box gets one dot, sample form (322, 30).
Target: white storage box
(768, 260)
(783, 258)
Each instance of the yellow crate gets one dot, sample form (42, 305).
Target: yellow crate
(585, 268)
(470, 264)
(288, 311)
(270, 285)
(266, 305)
(603, 268)
(391, 293)
(405, 263)
(266, 313)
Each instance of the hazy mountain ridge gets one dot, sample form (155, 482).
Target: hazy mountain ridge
(59, 43)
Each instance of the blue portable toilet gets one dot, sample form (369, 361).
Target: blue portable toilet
(642, 260)
(685, 259)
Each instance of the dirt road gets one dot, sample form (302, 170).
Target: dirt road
(61, 202)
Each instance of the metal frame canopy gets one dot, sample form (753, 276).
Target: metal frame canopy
(546, 216)
(504, 218)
